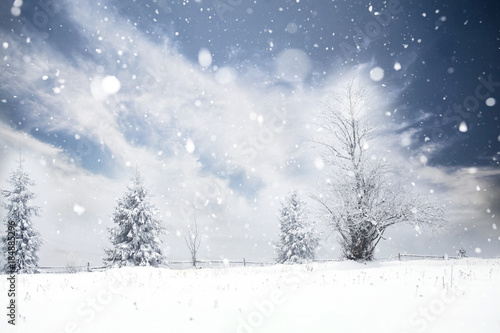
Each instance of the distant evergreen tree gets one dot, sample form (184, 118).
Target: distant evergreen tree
(298, 240)
(26, 241)
(136, 236)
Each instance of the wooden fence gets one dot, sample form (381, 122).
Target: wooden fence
(175, 264)
(422, 256)
(185, 264)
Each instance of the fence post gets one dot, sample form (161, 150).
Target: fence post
(399, 256)
(88, 266)
(244, 262)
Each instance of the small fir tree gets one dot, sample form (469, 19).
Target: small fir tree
(21, 241)
(136, 236)
(298, 240)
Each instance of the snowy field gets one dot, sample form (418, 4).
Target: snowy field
(409, 296)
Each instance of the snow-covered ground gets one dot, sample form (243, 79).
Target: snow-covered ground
(409, 296)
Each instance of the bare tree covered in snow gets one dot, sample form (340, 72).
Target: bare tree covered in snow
(21, 241)
(365, 195)
(136, 236)
(298, 240)
(193, 240)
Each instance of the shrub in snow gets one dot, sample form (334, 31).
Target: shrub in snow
(193, 241)
(21, 238)
(136, 235)
(298, 240)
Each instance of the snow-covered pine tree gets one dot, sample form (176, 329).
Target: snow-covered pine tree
(298, 240)
(19, 213)
(136, 236)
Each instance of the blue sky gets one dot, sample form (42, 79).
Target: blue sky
(215, 102)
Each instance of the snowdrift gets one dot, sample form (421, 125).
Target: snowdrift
(415, 296)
